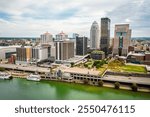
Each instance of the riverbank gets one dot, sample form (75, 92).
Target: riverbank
(124, 81)
(22, 89)
(106, 84)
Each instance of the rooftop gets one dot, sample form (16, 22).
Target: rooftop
(137, 54)
(97, 52)
(148, 68)
(81, 71)
(47, 33)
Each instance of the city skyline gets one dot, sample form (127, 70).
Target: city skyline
(31, 18)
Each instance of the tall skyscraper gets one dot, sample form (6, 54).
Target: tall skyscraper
(95, 36)
(61, 36)
(121, 40)
(46, 38)
(81, 45)
(64, 50)
(105, 35)
(75, 35)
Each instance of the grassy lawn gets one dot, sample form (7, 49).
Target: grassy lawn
(102, 69)
(132, 68)
(89, 64)
(118, 66)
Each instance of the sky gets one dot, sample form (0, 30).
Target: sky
(31, 18)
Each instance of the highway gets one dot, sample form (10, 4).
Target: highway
(125, 79)
(25, 68)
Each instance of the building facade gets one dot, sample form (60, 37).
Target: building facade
(122, 39)
(105, 35)
(27, 55)
(75, 35)
(139, 58)
(12, 59)
(24, 55)
(81, 45)
(97, 55)
(7, 51)
(61, 36)
(39, 54)
(46, 38)
(64, 50)
(95, 36)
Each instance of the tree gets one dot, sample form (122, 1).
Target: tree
(117, 85)
(85, 81)
(85, 65)
(2, 69)
(100, 83)
(72, 64)
(134, 87)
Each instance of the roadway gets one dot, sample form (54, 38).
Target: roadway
(125, 79)
(25, 68)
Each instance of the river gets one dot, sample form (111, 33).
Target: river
(21, 89)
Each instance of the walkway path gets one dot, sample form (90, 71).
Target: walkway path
(138, 80)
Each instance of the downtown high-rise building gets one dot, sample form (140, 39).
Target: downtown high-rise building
(105, 35)
(61, 36)
(95, 36)
(64, 50)
(24, 55)
(75, 35)
(81, 46)
(31, 54)
(46, 38)
(122, 38)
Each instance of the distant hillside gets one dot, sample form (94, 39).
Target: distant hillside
(141, 38)
(15, 38)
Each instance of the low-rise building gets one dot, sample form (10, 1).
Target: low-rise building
(97, 55)
(140, 58)
(12, 59)
(7, 51)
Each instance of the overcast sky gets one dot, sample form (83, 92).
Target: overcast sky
(19, 18)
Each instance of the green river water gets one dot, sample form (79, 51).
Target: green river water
(21, 89)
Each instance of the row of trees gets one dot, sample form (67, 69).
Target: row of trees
(2, 69)
(99, 63)
(95, 63)
(134, 86)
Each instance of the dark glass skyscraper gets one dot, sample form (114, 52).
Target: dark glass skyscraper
(105, 35)
(81, 45)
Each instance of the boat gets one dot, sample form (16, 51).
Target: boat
(5, 76)
(34, 77)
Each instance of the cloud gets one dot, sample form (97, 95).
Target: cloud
(5, 16)
(136, 13)
(47, 14)
(33, 17)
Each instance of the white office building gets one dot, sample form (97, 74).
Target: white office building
(95, 36)
(61, 36)
(46, 38)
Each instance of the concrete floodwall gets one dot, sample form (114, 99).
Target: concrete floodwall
(127, 74)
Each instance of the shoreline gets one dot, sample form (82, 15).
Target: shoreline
(106, 84)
